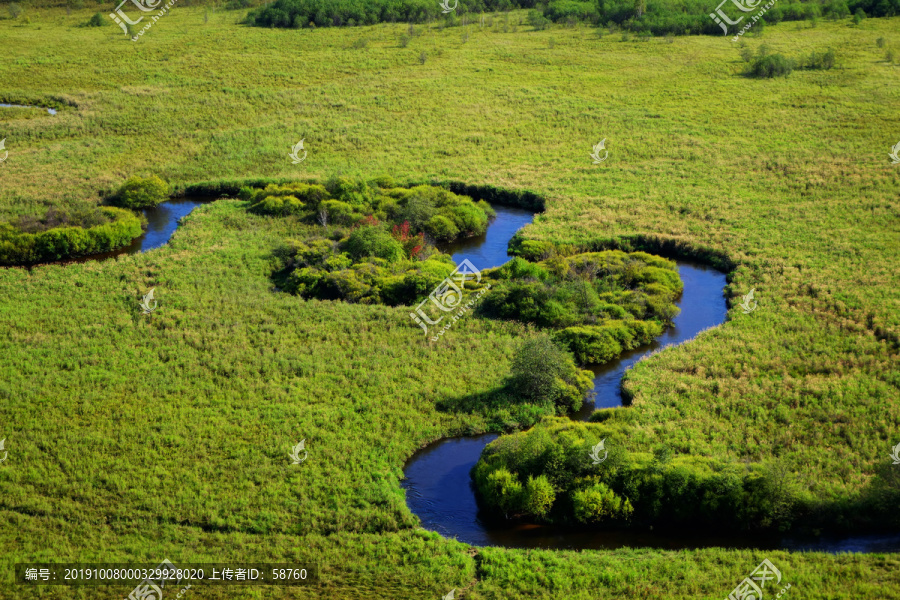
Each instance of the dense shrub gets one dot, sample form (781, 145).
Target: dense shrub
(441, 228)
(562, 10)
(98, 20)
(599, 504)
(656, 17)
(602, 303)
(820, 60)
(117, 228)
(544, 373)
(377, 251)
(142, 192)
(627, 488)
(602, 343)
(374, 241)
(771, 65)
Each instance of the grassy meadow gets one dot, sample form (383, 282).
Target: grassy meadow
(134, 438)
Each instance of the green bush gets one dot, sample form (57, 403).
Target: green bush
(602, 343)
(280, 205)
(339, 212)
(441, 228)
(142, 192)
(374, 241)
(599, 504)
(98, 20)
(771, 65)
(820, 60)
(635, 489)
(544, 373)
(119, 228)
(538, 496)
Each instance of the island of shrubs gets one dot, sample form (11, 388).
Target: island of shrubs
(547, 473)
(598, 304)
(71, 233)
(64, 234)
(588, 308)
(372, 242)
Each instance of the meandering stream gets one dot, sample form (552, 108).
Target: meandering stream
(162, 221)
(438, 486)
(439, 489)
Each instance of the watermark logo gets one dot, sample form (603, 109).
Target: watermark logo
(445, 5)
(596, 450)
(296, 450)
(6, 152)
(294, 153)
(746, 303)
(120, 18)
(596, 153)
(6, 454)
(751, 588)
(450, 596)
(895, 153)
(145, 302)
(719, 15)
(895, 455)
(448, 296)
(151, 588)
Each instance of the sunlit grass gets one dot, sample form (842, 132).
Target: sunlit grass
(133, 438)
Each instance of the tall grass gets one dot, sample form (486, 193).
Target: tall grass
(133, 438)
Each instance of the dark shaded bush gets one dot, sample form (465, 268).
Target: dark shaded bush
(98, 20)
(820, 60)
(544, 373)
(563, 10)
(771, 65)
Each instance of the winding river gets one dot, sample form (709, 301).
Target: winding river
(438, 486)
(162, 221)
(439, 489)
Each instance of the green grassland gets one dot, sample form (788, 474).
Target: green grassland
(133, 438)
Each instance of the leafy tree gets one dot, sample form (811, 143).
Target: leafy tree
(503, 491)
(545, 373)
